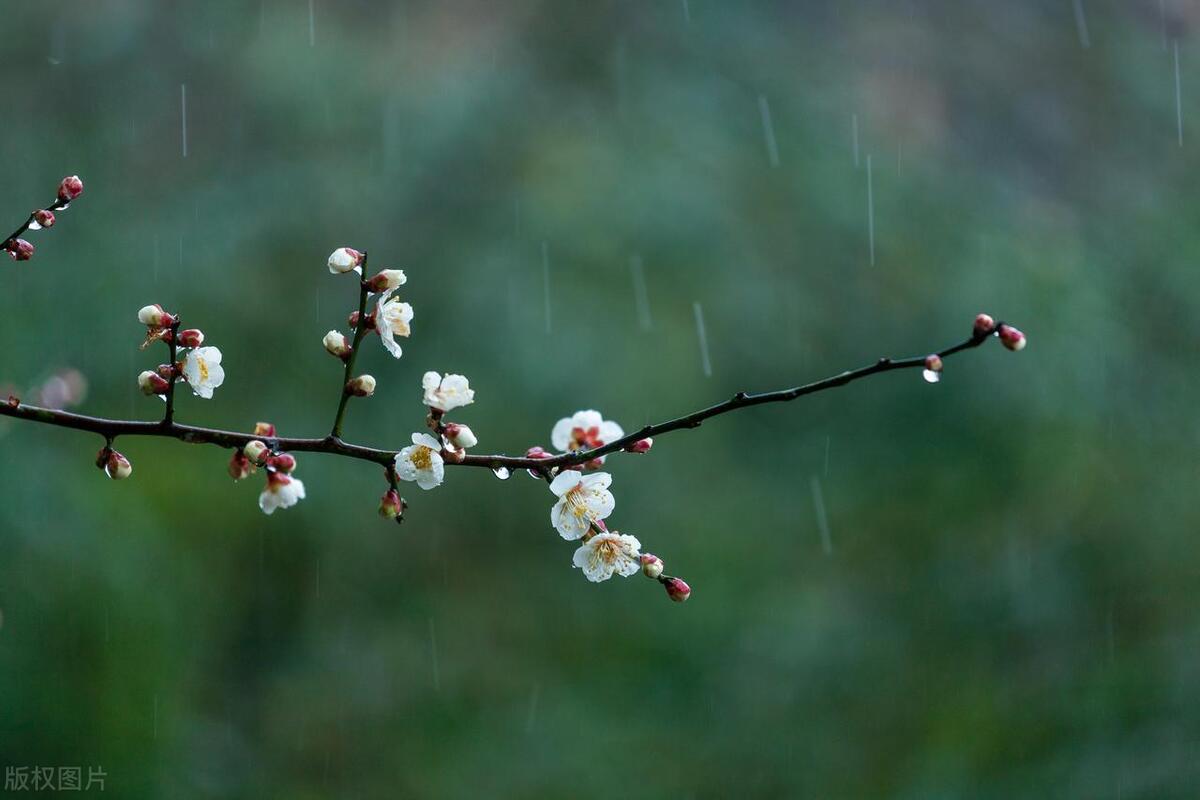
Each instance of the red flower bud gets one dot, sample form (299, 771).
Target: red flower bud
(1011, 338)
(264, 429)
(192, 337)
(239, 466)
(391, 505)
(537, 452)
(677, 589)
(19, 249)
(70, 188)
(284, 462)
(115, 465)
(640, 446)
(44, 217)
(984, 325)
(652, 565)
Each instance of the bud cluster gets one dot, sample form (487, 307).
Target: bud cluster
(200, 366)
(21, 249)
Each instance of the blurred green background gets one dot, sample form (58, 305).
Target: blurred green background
(1009, 604)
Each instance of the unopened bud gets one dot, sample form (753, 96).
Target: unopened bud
(386, 280)
(677, 589)
(1011, 338)
(70, 188)
(537, 452)
(284, 462)
(192, 337)
(362, 386)
(640, 446)
(368, 321)
(344, 259)
(391, 505)
(19, 249)
(239, 466)
(264, 429)
(117, 466)
(154, 317)
(151, 383)
(44, 217)
(984, 325)
(460, 436)
(336, 345)
(652, 565)
(933, 362)
(256, 451)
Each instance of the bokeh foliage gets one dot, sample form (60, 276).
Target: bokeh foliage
(1009, 608)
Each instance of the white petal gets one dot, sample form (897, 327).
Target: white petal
(599, 504)
(587, 419)
(430, 380)
(597, 481)
(560, 437)
(610, 432)
(390, 344)
(565, 481)
(425, 440)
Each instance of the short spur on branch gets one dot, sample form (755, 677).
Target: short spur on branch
(583, 500)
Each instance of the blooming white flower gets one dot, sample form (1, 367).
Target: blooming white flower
(605, 553)
(421, 462)
(345, 259)
(392, 319)
(583, 431)
(283, 491)
(448, 393)
(582, 500)
(387, 280)
(203, 370)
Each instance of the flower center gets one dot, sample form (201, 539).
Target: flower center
(422, 458)
(585, 438)
(203, 365)
(607, 550)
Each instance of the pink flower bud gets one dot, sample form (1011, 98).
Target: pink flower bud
(652, 565)
(933, 362)
(239, 466)
(117, 466)
(151, 383)
(640, 446)
(153, 316)
(362, 386)
(391, 505)
(44, 217)
(460, 437)
(677, 589)
(984, 325)
(336, 345)
(256, 451)
(386, 280)
(1011, 338)
(537, 452)
(284, 462)
(345, 259)
(70, 188)
(264, 429)
(192, 337)
(19, 249)
(168, 371)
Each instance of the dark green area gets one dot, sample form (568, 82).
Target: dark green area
(1010, 606)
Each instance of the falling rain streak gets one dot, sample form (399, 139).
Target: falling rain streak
(641, 299)
(1178, 97)
(1081, 25)
(764, 109)
(705, 363)
(822, 520)
(546, 282)
(870, 212)
(183, 116)
(687, 12)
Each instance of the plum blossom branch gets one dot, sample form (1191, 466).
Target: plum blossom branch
(584, 440)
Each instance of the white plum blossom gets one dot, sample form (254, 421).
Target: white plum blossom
(203, 370)
(605, 553)
(345, 259)
(584, 430)
(283, 491)
(421, 462)
(582, 500)
(448, 393)
(392, 319)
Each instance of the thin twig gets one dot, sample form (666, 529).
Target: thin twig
(359, 331)
(333, 445)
